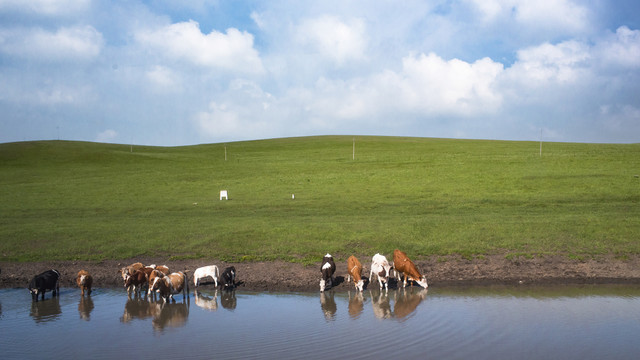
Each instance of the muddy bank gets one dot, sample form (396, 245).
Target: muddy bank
(283, 276)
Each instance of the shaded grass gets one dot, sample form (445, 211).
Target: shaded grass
(72, 200)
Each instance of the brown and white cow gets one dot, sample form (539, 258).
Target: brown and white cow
(354, 267)
(380, 267)
(327, 269)
(136, 281)
(129, 270)
(402, 264)
(84, 281)
(155, 274)
(172, 284)
(162, 268)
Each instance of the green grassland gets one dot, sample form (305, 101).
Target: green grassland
(87, 201)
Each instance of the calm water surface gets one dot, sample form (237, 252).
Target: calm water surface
(589, 322)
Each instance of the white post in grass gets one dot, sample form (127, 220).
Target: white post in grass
(353, 156)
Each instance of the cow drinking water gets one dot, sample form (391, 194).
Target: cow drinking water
(228, 278)
(327, 269)
(204, 272)
(380, 267)
(172, 284)
(84, 281)
(48, 280)
(354, 267)
(404, 265)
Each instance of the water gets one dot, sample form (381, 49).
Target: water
(588, 322)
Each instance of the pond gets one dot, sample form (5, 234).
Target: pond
(572, 322)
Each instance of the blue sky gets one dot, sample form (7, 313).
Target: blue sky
(179, 73)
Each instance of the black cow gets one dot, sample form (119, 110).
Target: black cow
(228, 278)
(327, 269)
(48, 280)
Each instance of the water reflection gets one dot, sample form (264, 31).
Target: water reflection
(162, 314)
(328, 305)
(171, 315)
(407, 301)
(207, 302)
(356, 304)
(228, 299)
(46, 310)
(139, 309)
(85, 307)
(380, 303)
(449, 323)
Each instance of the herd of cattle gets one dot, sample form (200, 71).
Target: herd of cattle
(158, 279)
(380, 267)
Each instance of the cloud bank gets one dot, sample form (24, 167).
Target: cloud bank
(165, 74)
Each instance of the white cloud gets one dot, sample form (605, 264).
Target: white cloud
(244, 111)
(67, 43)
(622, 49)
(106, 136)
(334, 39)
(231, 51)
(163, 78)
(564, 15)
(546, 64)
(46, 7)
(434, 85)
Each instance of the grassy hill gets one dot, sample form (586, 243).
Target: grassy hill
(74, 200)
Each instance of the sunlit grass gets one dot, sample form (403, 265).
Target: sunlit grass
(72, 200)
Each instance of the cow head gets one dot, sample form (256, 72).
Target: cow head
(360, 285)
(322, 285)
(423, 282)
(34, 294)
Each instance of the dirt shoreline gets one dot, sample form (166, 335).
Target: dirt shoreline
(282, 276)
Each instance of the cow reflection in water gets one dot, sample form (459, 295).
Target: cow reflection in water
(138, 309)
(206, 302)
(356, 304)
(228, 299)
(407, 300)
(170, 315)
(162, 314)
(47, 310)
(85, 307)
(328, 305)
(380, 303)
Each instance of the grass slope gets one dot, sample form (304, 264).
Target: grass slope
(73, 200)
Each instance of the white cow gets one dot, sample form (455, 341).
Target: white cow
(380, 266)
(205, 271)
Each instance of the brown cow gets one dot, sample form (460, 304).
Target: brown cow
(153, 276)
(129, 270)
(163, 269)
(355, 271)
(136, 281)
(84, 281)
(170, 285)
(402, 264)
